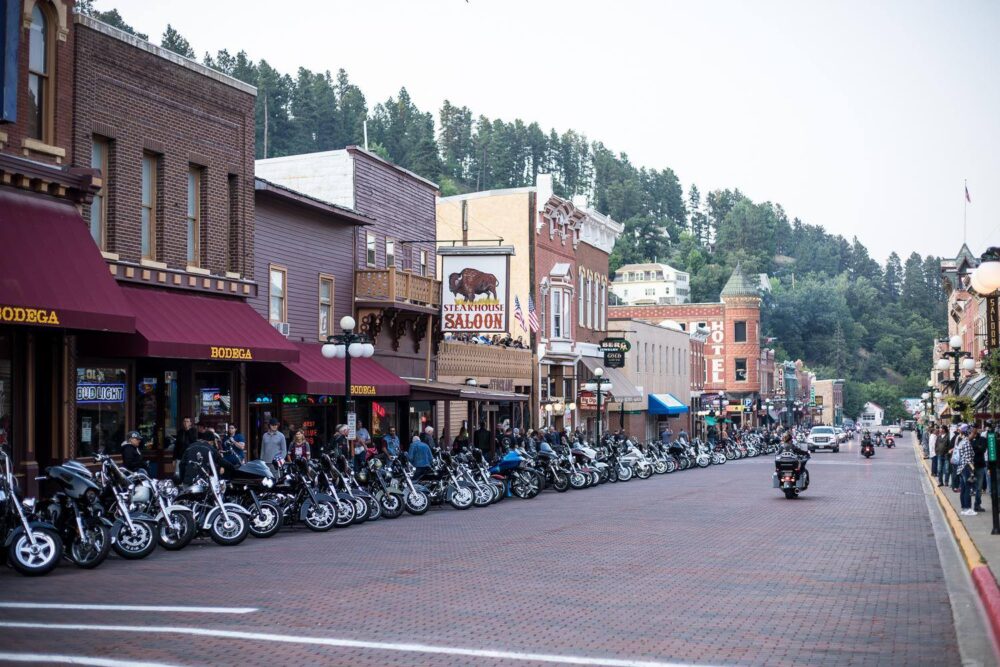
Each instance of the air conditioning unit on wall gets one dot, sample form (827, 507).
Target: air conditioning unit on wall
(282, 328)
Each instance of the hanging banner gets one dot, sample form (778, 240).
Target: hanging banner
(475, 289)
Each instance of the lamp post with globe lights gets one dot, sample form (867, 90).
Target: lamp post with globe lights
(348, 345)
(963, 361)
(985, 281)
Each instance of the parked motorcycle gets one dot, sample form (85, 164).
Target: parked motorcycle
(226, 523)
(133, 533)
(32, 547)
(76, 513)
(251, 485)
(300, 499)
(175, 525)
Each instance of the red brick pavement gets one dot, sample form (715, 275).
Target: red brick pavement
(705, 567)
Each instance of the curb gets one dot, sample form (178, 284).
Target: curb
(982, 576)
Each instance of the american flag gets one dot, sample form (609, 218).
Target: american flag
(532, 316)
(518, 315)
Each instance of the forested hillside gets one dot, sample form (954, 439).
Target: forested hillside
(830, 305)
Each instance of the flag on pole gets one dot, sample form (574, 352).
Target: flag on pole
(518, 315)
(967, 197)
(532, 317)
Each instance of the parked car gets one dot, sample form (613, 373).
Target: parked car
(822, 437)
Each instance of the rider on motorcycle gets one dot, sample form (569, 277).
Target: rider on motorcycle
(787, 444)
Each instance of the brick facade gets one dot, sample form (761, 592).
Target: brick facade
(142, 99)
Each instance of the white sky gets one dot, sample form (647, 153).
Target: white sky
(864, 117)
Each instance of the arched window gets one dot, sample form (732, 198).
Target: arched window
(581, 316)
(40, 74)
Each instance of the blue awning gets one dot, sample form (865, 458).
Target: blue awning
(666, 404)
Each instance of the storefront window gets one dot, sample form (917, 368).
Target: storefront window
(421, 415)
(145, 408)
(213, 399)
(6, 392)
(100, 409)
(383, 417)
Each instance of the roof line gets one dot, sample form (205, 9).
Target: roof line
(302, 199)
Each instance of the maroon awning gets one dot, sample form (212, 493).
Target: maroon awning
(178, 325)
(315, 374)
(51, 272)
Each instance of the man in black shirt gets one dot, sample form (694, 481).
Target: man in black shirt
(482, 440)
(185, 436)
(979, 446)
(132, 452)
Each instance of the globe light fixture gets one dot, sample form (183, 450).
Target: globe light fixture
(968, 364)
(986, 279)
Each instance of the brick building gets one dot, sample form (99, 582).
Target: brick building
(732, 348)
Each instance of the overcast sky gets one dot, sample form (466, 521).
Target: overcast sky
(864, 117)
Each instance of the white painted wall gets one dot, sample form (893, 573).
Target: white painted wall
(328, 176)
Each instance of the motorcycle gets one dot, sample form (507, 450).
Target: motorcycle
(175, 526)
(416, 497)
(300, 500)
(77, 515)
(32, 547)
(226, 523)
(867, 449)
(789, 474)
(519, 475)
(391, 504)
(328, 477)
(250, 486)
(890, 441)
(133, 533)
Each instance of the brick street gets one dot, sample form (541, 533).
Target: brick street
(700, 567)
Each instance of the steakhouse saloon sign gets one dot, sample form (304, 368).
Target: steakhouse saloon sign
(475, 292)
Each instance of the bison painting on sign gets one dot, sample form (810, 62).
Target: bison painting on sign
(474, 295)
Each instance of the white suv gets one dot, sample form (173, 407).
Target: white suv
(822, 437)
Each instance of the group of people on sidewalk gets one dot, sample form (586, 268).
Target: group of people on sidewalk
(958, 460)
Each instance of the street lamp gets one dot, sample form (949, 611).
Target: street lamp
(599, 380)
(986, 281)
(963, 360)
(348, 345)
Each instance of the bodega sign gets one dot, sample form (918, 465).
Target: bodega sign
(475, 289)
(19, 315)
(234, 353)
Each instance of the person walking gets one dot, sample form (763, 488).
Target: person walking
(299, 448)
(943, 449)
(272, 443)
(979, 446)
(360, 449)
(420, 457)
(962, 459)
(956, 435)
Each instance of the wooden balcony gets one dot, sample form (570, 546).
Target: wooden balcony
(461, 360)
(391, 286)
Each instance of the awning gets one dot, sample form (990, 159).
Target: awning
(432, 390)
(178, 325)
(315, 374)
(975, 387)
(52, 273)
(621, 387)
(666, 404)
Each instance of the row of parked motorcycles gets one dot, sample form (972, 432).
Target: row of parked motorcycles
(94, 512)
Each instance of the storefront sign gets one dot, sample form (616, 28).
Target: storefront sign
(992, 322)
(19, 315)
(587, 402)
(614, 350)
(352, 425)
(100, 393)
(475, 292)
(236, 353)
(363, 389)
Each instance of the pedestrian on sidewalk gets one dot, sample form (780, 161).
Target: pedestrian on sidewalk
(962, 459)
(273, 444)
(299, 447)
(956, 436)
(978, 441)
(932, 449)
(925, 442)
(943, 450)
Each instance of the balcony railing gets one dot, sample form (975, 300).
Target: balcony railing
(460, 359)
(393, 286)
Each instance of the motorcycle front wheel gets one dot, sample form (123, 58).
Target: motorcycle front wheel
(578, 480)
(525, 484)
(645, 472)
(321, 517)
(374, 509)
(624, 472)
(461, 498)
(266, 522)
(560, 481)
(228, 532)
(35, 560)
(93, 553)
(416, 503)
(392, 505)
(179, 534)
(482, 497)
(134, 543)
(360, 510)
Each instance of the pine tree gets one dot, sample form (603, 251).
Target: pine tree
(174, 41)
(893, 279)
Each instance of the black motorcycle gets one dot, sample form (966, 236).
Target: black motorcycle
(133, 533)
(328, 480)
(250, 486)
(32, 547)
(867, 448)
(390, 500)
(790, 474)
(301, 501)
(76, 513)
(225, 522)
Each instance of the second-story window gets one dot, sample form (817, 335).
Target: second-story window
(390, 254)
(194, 216)
(370, 250)
(148, 232)
(99, 207)
(557, 315)
(276, 289)
(423, 262)
(740, 332)
(39, 74)
(741, 370)
(583, 301)
(325, 306)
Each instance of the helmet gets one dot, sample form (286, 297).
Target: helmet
(136, 435)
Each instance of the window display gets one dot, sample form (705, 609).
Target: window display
(101, 409)
(213, 401)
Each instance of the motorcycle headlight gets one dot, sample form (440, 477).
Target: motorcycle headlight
(28, 504)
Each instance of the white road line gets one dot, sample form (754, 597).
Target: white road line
(347, 643)
(76, 660)
(128, 607)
